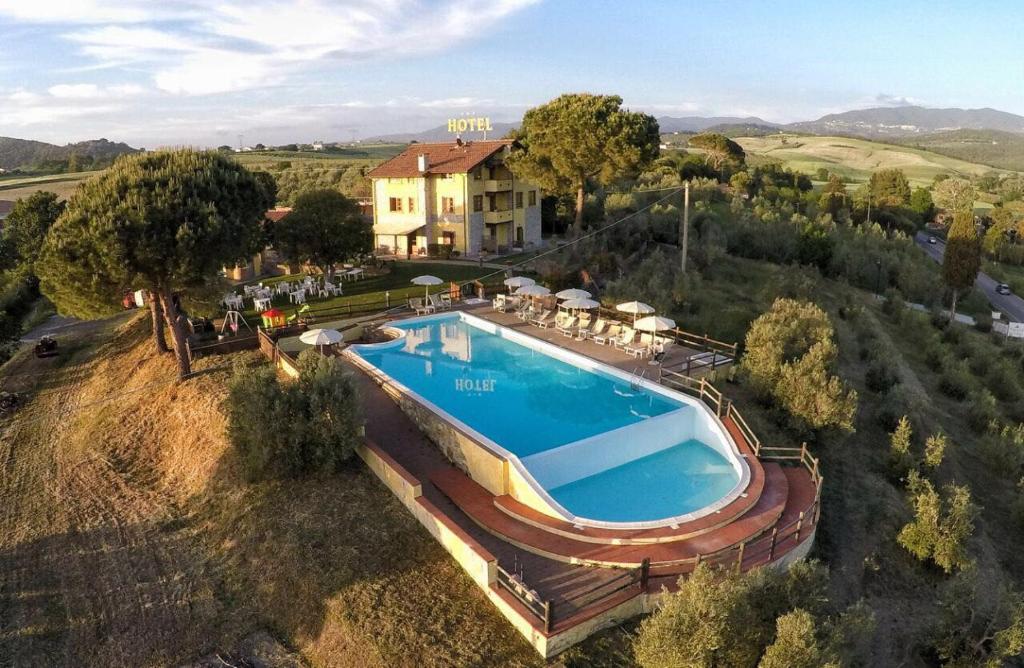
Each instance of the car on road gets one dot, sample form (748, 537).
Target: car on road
(1003, 289)
(932, 240)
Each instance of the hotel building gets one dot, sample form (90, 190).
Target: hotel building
(458, 194)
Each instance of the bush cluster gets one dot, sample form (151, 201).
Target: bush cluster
(287, 429)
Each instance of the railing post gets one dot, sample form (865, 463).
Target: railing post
(739, 558)
(799, 525)
(645, 573)
(771, 550)
(697, 563)
(803, 451)
(547, 616)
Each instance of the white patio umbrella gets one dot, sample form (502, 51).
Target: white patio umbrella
(533, 291)
(573, 293)
(519, 282)
(321, 337)
(580, 303)
(636, 308)
(426, 281)
(654, 323)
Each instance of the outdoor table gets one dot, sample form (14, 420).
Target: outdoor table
(298, 297)
(261, 303)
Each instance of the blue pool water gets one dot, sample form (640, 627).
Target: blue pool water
(560, 420)
(522, 399)
(668, 483)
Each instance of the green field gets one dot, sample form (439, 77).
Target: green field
(367, 153)
(13, 188)
(856, 159)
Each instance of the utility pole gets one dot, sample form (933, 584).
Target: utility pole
(684, 232)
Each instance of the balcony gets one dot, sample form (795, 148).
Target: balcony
(497, 217)
(497, 185)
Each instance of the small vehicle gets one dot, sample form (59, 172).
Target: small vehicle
(47, 347)
(1003, 289)
(932, 240)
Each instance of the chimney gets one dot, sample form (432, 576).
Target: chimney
(421, 162)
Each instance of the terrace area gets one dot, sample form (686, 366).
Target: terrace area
(559, 582)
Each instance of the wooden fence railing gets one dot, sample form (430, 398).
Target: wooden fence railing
(700, 342)
(533, 602)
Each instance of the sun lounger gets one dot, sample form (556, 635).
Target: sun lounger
(544, 321)
(436, 303)
(585, 333)
(416, 304)
(626, 338)
(607, 337)
(567, 326)
(640, 349)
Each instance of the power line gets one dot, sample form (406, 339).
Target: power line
(676, 189)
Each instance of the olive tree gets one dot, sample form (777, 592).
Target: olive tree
(942, 524)
(165, 221)
(576, 138)
(790, 356)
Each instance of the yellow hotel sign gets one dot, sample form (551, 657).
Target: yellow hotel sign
(477, 124)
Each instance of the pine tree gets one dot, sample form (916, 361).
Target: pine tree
(165, 221)
(962, 260)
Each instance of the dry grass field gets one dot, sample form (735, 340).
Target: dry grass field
(127, 536)
(855, 159)
(61, 184)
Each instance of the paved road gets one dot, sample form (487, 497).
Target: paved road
(1011, 306)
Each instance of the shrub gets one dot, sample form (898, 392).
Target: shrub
(722, 618)
(894, 306)
(881, 375)
(286, 429)
(934, 450)
(1002, 381)
(982, 411)
(955, 381)
(941, 525)
(983, 323)
(900, 460)
(935, 355)
(790, 353)
(893, 405)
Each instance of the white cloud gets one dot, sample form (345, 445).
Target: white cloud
(456, 103)
(193, 48)
(886, 100)
(87, 91)
(75, 91)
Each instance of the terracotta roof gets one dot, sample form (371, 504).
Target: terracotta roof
(444, 158)
(274, 215)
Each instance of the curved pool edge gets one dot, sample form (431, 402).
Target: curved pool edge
(531, 493)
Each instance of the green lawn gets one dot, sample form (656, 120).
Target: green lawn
(373, 289)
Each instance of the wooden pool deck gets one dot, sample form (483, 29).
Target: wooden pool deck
(559, 562)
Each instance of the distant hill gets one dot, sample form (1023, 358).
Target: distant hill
(701, 123)
(910, 120)
(27, 154)
(667, 124)
(440, 133)
(1004, 150)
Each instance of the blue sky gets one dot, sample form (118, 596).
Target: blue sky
(201, 72)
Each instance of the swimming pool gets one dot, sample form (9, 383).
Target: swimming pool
(595, 445)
